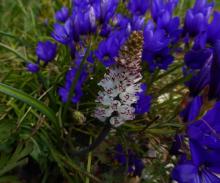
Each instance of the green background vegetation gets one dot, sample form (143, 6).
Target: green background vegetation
(25, 130)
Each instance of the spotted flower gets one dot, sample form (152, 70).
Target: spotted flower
(121, 84)
(120, 88)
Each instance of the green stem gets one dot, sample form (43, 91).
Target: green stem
(101, 137)
(89, 162)
(152, 78)
(71, 93)
(8, 35)
(169, 71)
(170, 86)
(29, 109)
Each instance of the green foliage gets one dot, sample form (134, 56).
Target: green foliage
(36, 128)
(29, 100)
(17, 158)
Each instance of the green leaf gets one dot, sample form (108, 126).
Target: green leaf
(6, 128)
(16, 159)
(8, 179)
(22, 96)
(172, 85)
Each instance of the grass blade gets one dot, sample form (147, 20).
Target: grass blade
(24, 59)
(20, 95)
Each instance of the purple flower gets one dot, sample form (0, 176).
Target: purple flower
(195, 59)
(156, 52)
(200, 42)
(46, 51)
(108, 49)
(79, 3)
(91, 58)
(105, 30)
(138, 7)
(204, 7)
(196, 19)
(201, 168)
(84, 20)
(173, 29)
(144, 101)
(204, 144)
(62, 15)
(159, 7)
(135, 164)
(206, 130)
(32, 67)
(213, 32)
(164, 20)
(63, 33)
(162, 15)
(195, 23)
(200, 79)
(170, 25)
(64, 91)
(120, 21)
(137, 23)
(105, 9)
(120, 156)
(155, 40)
(214, 90)
(192, 110)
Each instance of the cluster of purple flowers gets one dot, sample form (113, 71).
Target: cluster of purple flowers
(95, 19)
(203, 141)
(200, 115)
(46, 52)
(99, 20)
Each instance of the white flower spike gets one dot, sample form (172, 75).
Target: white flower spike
(121, 84)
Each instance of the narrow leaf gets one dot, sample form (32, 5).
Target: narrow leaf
(14, 51)
(22, 96)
